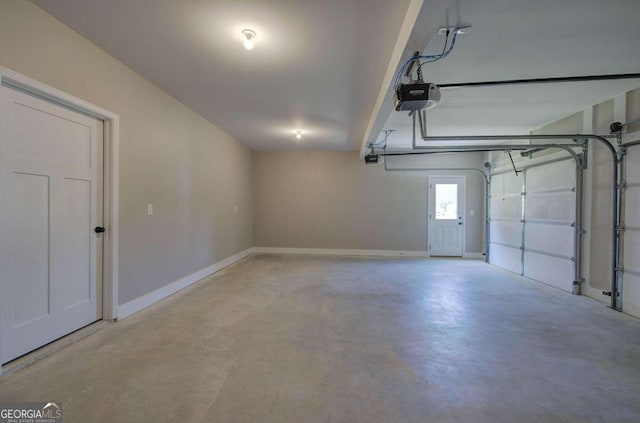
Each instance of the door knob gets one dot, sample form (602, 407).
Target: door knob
(99, 229)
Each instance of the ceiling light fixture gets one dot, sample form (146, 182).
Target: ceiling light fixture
(298, 133)
(248, 35)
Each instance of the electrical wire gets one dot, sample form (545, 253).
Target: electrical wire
(383, 142)
(444, 48)
(426, 57)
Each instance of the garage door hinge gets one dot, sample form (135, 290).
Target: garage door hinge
(620, 228)
(573, 189)
(579, 281)
(607, 293)
(619, 269)
(622, 185)
(573, 259)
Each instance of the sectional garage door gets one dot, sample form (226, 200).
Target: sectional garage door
(532, 222)
(631, 253)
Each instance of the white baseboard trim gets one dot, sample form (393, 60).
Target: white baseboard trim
(352, 252)
(127, 309)
(340, 252)
(473, 256)
(144, 301)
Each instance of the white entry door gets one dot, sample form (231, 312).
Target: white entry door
(446, 215)
(50, 204)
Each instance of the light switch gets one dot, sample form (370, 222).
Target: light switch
(149, 209)
(472, 212)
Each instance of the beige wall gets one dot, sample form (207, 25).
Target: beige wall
(334, 200)
(193, 172)
(569, 125)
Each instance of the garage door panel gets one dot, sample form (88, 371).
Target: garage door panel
(631, 293)
(506, 257)
(632, 250)
(548, 244)
(633, 169)
(506, 232)
(555, 206)
(506, 208)
(554, 239)
(505, 184)
(631, 259)
(632, 202)
(554, 176)
(550, 270)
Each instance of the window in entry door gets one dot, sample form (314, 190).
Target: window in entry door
(446, 201)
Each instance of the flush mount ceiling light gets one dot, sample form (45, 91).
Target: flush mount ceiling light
(248, 35)
(298, 133)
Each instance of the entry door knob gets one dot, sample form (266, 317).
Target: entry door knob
(99, 229)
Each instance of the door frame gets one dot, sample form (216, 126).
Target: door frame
(463, 211)
(111, 121)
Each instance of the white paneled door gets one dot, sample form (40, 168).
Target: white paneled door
(50, 206)
(446, 215)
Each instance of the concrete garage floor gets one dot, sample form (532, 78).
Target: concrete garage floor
(324, 339)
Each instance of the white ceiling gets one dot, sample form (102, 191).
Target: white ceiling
(515, 39)
(317, 64)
